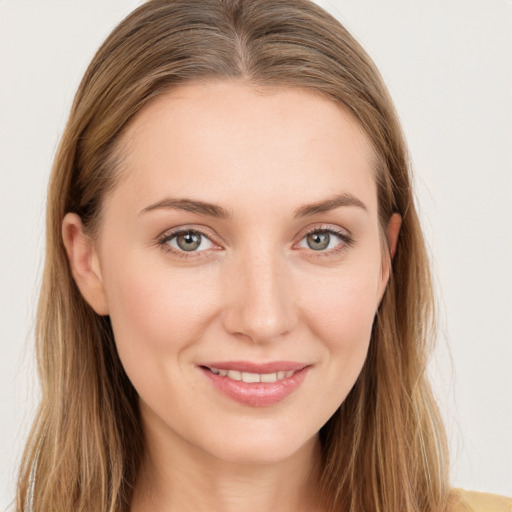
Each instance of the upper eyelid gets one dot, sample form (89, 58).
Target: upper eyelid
(346, 239)
(338, 230)
(171, 233)
(163, 239)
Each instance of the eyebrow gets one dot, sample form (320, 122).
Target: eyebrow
(189, 205)
(213, 210)
(329, 204)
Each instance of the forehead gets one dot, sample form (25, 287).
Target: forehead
(230, 140)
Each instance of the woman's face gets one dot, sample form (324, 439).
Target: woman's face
(242, 242)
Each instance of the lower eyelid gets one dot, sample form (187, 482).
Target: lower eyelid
(345, 241)
(175, 236)
(164, 240)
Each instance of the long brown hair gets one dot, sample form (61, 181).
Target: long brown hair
(384, 450)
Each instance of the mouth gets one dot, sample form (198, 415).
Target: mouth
(251, 377)
(256, 385)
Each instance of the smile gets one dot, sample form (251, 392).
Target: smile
(256, 385)
(250, 377)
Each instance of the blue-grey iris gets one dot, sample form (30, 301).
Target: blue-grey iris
(318, 241)
(188, 241)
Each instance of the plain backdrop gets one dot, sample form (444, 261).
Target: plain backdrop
(448, 65)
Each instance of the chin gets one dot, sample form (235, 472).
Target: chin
(271, 447)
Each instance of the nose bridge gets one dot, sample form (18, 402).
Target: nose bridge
(261, 304)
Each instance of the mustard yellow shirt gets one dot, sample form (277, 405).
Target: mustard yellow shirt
(472, 501)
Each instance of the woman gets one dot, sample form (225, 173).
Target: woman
(236, 303)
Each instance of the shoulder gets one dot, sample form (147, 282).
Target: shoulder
(472, 501)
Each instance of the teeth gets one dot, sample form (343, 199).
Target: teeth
(252, 377)
(234, 374)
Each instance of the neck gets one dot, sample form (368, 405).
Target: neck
(180, 477)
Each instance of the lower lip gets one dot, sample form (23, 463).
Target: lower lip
(258, 394)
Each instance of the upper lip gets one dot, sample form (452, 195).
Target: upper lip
(251, 367)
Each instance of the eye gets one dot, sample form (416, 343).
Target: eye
(325, 240)
(187, 241)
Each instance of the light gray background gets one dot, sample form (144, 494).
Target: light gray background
(448, 64)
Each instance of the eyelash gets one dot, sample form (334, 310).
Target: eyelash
(163, 242)
(346, 241)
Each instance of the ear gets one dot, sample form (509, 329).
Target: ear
(392, 233)
(393, 230)
(84, 263)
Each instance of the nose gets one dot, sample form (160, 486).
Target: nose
(260, 303)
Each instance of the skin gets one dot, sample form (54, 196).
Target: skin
(253, 291)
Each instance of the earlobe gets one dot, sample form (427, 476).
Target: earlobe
(84, 263)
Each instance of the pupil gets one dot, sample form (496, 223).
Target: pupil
(318, 241)
(189, 241)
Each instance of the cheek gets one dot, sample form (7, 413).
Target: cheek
(340, 315)
(155, 312)
(341, 312)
